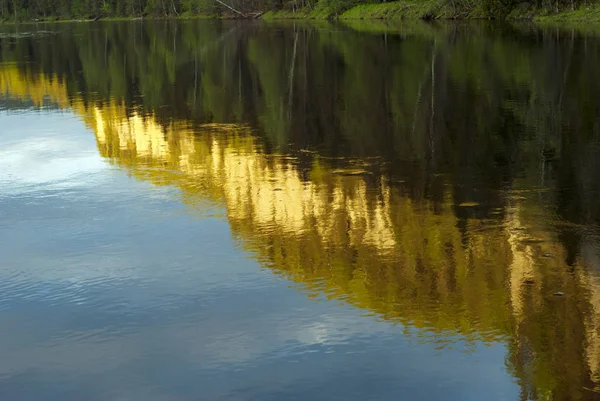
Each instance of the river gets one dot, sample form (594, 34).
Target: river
(234, 210)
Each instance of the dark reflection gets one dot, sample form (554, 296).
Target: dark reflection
(441, 176)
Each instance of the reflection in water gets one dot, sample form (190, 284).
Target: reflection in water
(38, 90)
(442, 257)
(361, 240)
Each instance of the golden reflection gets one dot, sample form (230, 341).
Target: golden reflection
(37, 89)
(356, 238)
(351, 236)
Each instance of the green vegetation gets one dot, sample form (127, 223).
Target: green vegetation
(583, 14)
(304, 13)
(428, 9)
(435, 9)
(89, 10)
(50, 10)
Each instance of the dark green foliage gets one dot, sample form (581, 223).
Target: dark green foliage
(23, 10)
(31, 10)
(497, 8)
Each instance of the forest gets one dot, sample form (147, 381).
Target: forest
(50, 10)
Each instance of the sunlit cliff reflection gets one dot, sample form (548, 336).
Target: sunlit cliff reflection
(341, 230)
(344, 230)
(37, 89)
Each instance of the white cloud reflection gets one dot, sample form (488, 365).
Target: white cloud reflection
(46, 151)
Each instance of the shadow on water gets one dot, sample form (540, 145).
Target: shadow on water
(440, 176)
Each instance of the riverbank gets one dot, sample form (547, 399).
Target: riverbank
(435, 9)
(55, 20)
(396, 10)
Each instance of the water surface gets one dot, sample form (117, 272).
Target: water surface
(247, 211)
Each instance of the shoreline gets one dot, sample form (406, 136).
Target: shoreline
(436, 10)
(395, 10)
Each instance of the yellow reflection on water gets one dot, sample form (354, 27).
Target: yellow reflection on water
(356, 238)
(37, 89)
(347, 235)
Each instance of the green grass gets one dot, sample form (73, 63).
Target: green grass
(438, 9)
(410, 9)
(393, 10)
(303, 13)
(584, 14)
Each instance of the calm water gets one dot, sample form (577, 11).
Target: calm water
(247, 211)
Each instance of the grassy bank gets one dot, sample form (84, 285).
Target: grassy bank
(439, 9)
(412, 9)
(393, 10)
(585, 14)
(428, 9)
(303, 13)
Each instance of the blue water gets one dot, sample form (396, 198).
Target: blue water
(112, 290)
